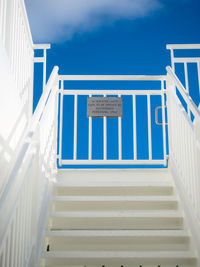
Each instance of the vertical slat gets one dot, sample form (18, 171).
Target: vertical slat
(187, 84)
(29, 216)
(44, 68)
(20, 232)
(149, 126)
(164, 122)
(13, 241)
(172, 59)
(120, 136)
(8, 249)
(104, 137)
(1, 17)
(186, 77)
(90, 137)
(24, 203)
(4, 21)
(61, 123)
(134, 128)
(4, 256)
(13, 36)
(75, 126)
(17, 237)
(198, 72)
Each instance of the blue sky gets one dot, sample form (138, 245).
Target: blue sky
(132, 41)
(111, 36)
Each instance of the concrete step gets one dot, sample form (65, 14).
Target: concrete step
(74, 203)
(122, 258)
(113, 189)
(110, 220)
(117, 240)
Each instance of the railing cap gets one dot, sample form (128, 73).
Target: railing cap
(183, 46)
(41, 46)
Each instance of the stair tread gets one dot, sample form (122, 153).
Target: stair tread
(119, 254)
(117, 233)
(115, 198)
(118, 213)
(80, 183)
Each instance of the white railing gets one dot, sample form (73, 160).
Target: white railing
(16, 37)
(42, 59)
(184, 145)
(148, 120)
(185, 61)
(23, 202)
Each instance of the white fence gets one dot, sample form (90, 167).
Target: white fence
(21, 204)
(149, 120)
(184, 62)
(16, 37)
(184, 123)
(184, 142)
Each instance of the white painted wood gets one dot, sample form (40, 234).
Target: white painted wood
(79, 203)
(90, 138)
(164, 134)
(41, 46)
(149, 127)
(98, 220)
(105, 137)
(114, 198)
(112, 77)
(134, 128)
(119, 233)
(75, 126)
(113, 258)
(119, 136)
(110, 161)
(183, 46)
(111, 92)
(123, 242)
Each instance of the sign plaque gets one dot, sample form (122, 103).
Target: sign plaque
(99, 107)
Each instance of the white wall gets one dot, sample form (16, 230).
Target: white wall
(16, 81)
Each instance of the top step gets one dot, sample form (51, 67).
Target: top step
(114, 182)
(110, 175)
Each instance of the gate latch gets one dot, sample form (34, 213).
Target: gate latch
(156, 116)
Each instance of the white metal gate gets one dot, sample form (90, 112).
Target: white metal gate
(136, 99)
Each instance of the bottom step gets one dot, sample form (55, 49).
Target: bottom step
(116, 258)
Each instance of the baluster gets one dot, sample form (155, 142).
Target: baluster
(187, 86)
(163, 120)
(17, 248)
(149, 126)
(134, 128)
(90, 137)
(8, 249)
(75, 126)
(104, 137)
(61, 123)
(12, 262)
(198, 71)
(120, 135)
(4, 256)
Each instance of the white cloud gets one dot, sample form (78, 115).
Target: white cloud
(55, 20)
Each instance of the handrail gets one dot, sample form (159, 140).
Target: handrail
(41, 46)
(184, 93)
(110, 92)
(27, 25)
(183, 46)
(112, 77)
(28, 135)
(43, 100)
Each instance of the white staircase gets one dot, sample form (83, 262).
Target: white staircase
(116, 218)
